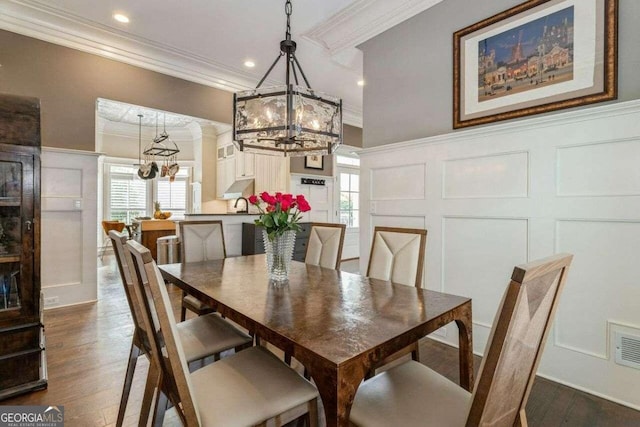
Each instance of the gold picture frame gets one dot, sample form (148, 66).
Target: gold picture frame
(540, 56)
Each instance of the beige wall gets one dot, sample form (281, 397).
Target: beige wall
(408, 69)
(352, 136)
(68, 82)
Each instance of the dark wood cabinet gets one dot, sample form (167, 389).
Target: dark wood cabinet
(253, 244)
(21, 330)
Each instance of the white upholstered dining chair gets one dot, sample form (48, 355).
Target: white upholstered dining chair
(200, 337)
(324, 247)
(200, 241)
(397, 255)
(413, 395)
(245, 389)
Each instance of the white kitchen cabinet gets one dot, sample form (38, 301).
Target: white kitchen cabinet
(271, 174)
(245, 165)
(226, 168)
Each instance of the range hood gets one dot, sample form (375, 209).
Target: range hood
(239, 188)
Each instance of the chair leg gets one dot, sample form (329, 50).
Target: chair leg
(105, 243)
(153, 383)
(183, 309)
(415, 353)
(128, 379)
(313, 413)
(161, 407)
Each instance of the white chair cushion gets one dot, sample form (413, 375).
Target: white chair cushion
(206, 335)
(410, 395)
(324, 244)
(248, 388)
(395, 257)
(202, 242)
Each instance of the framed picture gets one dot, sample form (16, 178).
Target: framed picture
(314, 162)
(540, 56)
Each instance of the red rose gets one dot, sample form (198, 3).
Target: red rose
(270, 208)
(303, 205)
(285, 204)
(267, 198)
(253, 199)
(278, 197)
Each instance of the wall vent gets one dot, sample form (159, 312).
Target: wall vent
(628, 350)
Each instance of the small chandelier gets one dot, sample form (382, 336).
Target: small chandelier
(287, 120)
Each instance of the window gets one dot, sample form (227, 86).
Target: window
(173, 195)
(348, 161)
(127, 197)
(349, 197)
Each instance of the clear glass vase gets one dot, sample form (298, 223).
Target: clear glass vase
(279, 254)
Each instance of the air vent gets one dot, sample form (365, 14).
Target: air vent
(628, 350)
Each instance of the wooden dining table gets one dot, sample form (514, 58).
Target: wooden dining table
(337, 324)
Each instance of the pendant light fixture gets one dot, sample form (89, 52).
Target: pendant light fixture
(287, 120)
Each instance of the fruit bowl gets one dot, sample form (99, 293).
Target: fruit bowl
(165, 215)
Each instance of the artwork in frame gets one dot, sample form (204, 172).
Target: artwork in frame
(314, 162)
(540, 56)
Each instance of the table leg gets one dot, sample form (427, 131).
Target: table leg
(337, 390)
(465, 345)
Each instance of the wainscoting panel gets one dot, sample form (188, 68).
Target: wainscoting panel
(478, 257)
(595, 284)
(497, 196)
(603, 169)
(62, 182)
(398, 183)
(59, 252)
(502, 175)
(69, 226)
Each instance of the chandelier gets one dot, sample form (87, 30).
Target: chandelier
(290, 119)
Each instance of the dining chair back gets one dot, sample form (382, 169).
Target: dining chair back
(324, 247)
(508, 368)
(517, 340)
(397, 255)
(249, 375)
(127, 275)
(156, 306)
(201, 241)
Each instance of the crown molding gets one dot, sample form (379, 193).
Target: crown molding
(362, 20)
(41, 21)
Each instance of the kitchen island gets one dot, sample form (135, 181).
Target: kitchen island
(150, 230)
(231, 227)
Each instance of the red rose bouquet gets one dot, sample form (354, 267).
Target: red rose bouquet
(281, 213)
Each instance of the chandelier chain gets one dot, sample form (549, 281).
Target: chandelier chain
(287, 9)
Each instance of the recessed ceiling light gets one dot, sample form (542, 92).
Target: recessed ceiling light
(360, 82)
(249, 64)
(121, 18)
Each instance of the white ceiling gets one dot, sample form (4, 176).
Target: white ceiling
(207, 41)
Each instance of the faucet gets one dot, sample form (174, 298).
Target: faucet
(246, 205)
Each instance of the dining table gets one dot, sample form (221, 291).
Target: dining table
(339, 325)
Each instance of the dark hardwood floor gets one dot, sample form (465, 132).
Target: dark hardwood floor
(88, 346)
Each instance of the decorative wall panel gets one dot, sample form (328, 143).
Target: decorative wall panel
(501, 175)
(404, 182)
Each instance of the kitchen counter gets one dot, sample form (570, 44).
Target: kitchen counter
(151, 230)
